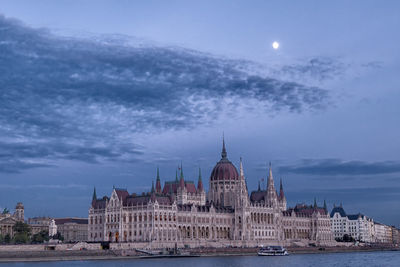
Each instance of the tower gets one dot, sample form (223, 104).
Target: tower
(282, 198)
(19, 212)
(158, 182)
(224, 181)
(201, 193)
(181, 190)
(241, 208)
(272, 198)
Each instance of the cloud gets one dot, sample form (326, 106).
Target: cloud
(85, 99)
(333, 167)
(316, 68)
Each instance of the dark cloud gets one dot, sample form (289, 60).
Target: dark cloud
(332, 167)
(318, 68)
(84, 100)
(16, 166)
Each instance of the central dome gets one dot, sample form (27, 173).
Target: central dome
(224, 170)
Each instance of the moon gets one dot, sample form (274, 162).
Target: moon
(275, 45)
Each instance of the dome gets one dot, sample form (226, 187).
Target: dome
(224, 170)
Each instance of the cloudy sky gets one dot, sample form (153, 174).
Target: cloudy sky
(94, 93)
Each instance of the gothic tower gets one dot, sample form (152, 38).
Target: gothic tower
(272, 198)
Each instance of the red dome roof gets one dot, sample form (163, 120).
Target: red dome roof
(224, 170)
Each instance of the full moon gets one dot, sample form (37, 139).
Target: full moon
(275, 45)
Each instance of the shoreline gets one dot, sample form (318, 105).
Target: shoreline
(118, 255)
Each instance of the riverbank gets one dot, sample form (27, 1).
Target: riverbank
(83, 255)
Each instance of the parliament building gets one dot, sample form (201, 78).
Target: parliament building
(185, 215)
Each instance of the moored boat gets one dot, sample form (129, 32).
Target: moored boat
(272, 251)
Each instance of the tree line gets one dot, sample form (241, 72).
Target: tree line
(23, 235)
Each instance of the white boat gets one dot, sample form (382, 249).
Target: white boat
(272, 251)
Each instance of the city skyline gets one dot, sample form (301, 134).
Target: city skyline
(87, 101)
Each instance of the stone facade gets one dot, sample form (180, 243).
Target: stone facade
(182, 214)
(39, 224)
(358, 226)
(72, 229)
(7, 220)
(361, 227)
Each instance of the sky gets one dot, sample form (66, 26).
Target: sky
(101, 93)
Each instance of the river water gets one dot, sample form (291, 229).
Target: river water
(353, 259)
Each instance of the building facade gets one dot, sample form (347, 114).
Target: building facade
(358, 226)
(72, 229)
(361, 228)
(7, 220)
(39, 224)
(184, 214)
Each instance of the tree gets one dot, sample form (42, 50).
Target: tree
(21, 238)
(7, 239)
(22, 232)
(21, 227)
(40, 237)
(58, 236)
(347, 238)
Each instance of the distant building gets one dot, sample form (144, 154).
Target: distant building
(72, 229)
(383, 233)
(358, 226)
(184, 214)
(7, 220)
(39, 224)
(395, 235)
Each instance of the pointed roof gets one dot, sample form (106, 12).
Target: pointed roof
(281, 193)
(121, 193)
(94, 198)
(325, 208)
(241, 168)
(270, 179)
(200, 182)
(152, 186)
(315, 203)
(158, 182)
(339, 210)
(271, 191)
(181, 180)
(223, 153)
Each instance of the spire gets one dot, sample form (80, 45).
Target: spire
(176, 175)
(152, 186)
(200, 182)
(94, 198)
(182, 181)
(270, 179)
(315, 203)
(271, 192)
(281, 193)
(259, 188)
(158, 182)
(223, 153)
(241, 168)
(325, 208)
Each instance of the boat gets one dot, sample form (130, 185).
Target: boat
(272, 251)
